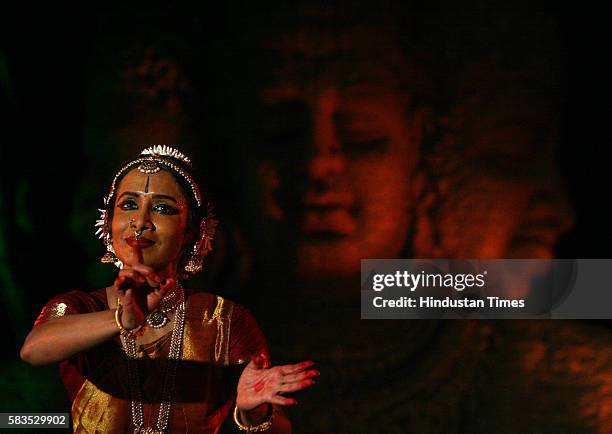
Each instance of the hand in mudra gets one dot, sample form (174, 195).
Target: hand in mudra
(136, 296)
(260, 383)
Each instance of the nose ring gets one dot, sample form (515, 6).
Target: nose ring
(137, 232)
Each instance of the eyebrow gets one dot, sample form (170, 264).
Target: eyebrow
(155, 196)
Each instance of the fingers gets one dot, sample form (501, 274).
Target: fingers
(282, 400)
(158, 293)
(128, 279)
(297, 381)
(292, 382)
(119, 285)
(138, 253)
(132, 314)
(257, 362)
(260, 361)
(166, 284)
(266, 360)
(139, 275)
(148, 272)
(294, 369)
(295, 386)
(291, 378)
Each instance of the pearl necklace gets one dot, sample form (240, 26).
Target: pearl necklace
(167, 396)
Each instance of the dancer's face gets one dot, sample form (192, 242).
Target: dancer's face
(156, 204)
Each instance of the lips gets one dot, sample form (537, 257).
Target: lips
(331, 213)
(141, 243)
(328, 199)
(329, 221)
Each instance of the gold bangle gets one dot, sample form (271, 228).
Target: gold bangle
(122, 330)
(256, 428)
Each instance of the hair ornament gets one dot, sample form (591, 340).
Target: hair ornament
(100, 223)
(166, 151)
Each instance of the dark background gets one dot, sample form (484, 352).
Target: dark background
(50, 60)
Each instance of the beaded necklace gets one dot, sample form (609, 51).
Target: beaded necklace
(167, 395)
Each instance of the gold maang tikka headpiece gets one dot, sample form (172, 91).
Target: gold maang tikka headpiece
(151, 161)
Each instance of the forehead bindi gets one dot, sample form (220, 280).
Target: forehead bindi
(160, 183)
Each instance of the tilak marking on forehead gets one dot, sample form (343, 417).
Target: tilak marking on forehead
(147, 186)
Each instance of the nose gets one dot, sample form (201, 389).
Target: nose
(142, 222)
(325, 167)
(327, 160)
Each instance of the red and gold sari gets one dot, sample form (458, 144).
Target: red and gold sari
(219, 337)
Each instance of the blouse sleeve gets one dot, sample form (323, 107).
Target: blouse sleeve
(246, 338)
(69, 303)
(75, 370)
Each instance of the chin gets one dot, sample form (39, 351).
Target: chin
(328, 259)
(339, 257)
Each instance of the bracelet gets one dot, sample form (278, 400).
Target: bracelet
(256, 428)
(122, 330)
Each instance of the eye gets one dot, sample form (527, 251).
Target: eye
(358, 135)
(128, 204)
(365, 145)
(164, 208)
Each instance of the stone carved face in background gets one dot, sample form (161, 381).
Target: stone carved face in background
(342, 167)
(337, 148)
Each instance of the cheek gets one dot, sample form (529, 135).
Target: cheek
(117, 229)
(176, 230)
(381, 184)
(117, 226)
(384, 176)
(387, 190)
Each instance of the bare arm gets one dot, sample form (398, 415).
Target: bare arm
(61, 338)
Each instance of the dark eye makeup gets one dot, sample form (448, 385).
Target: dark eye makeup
(164, 208)
(128, 204)
(160, 208)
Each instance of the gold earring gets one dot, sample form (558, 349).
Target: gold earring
(108, 258)
(194, 264)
